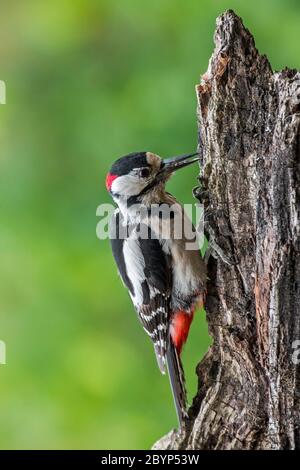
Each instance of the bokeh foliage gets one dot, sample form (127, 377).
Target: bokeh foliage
(88, 81)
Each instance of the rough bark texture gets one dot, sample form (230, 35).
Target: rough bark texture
(249, 138)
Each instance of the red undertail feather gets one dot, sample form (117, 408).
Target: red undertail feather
(180, 327)
(109, 180)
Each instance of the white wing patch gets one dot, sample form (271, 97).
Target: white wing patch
(135, 265)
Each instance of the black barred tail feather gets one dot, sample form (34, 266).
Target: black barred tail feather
(154, 317)
(176, 375)
(160, 343)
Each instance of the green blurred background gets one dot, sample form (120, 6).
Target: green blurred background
(88, 81)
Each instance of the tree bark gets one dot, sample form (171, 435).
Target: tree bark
(249, 138)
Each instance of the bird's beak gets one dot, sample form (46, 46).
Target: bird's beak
(175, 163)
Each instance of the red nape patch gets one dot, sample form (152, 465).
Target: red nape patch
(180, 326)
(109, 180)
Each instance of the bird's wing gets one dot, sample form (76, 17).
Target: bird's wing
(146, 271)
(155, 315)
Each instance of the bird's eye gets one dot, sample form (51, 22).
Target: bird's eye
(144, 172)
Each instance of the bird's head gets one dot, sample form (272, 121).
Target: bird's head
(136, 174)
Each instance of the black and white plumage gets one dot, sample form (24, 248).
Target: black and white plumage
(145, 270)
(165, 279)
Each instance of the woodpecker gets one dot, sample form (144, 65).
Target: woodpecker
(165, 276)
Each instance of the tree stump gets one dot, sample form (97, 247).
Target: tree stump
(249, 139)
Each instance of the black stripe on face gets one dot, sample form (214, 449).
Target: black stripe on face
(125, 164)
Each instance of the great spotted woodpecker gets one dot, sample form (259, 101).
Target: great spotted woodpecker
(164, 274)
